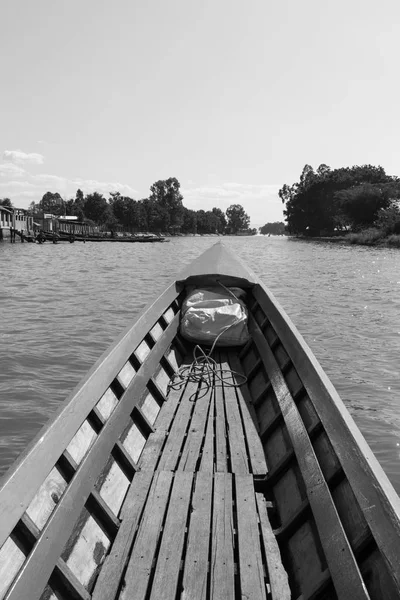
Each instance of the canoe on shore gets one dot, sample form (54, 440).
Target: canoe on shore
(255, 483)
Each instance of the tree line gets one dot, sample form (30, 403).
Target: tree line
(162, 211)
(344, 199)
(276, 228)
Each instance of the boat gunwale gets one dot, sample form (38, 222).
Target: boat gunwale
(25, 476)
(376, 496)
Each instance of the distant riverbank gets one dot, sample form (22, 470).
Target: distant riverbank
(368, 237)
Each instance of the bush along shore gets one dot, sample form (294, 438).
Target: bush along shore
(356, 205)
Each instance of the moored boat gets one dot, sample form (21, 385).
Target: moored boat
(251, 481)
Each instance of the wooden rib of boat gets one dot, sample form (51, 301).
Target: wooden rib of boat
(136, 490)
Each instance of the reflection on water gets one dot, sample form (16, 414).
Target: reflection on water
(62, 305)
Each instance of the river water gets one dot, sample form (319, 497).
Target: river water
(62, 305)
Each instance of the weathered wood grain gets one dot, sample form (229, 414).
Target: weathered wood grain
(11, 560)
(172, 448)
(222, 568)
(252, 582)
(221, 450)
(207, 459)
(375, 494)
(236, 439)
(169, 557)
(47, 498)
(88, 553)
(278, 579)
(115, 562)
(344, 570)
(195, 574)
(137, 575)
(191, 449)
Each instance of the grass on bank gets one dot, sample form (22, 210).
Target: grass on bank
(374, 237)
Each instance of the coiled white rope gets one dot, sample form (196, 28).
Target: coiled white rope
(205, 370)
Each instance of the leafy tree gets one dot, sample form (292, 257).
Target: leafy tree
(238, 220)
(158, 218)
(52, 203)
(313, 204)
(221, 220)
(388, 218)
(96, 208)
(189, 224)
(6, 202)
(362, 203)
(167, 194)
(277, 228)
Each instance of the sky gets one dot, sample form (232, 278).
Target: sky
(232, 98)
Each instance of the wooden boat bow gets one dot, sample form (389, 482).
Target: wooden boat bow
(263, 490)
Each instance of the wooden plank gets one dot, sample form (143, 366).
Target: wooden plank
(222, 561)
(170, 455)
(251, 573)
(170, 554)
(152, 450)
(21, 482)
(195, 573)
(207, 459)
(110, 575)
(236, 441)
(11, 560)
(137, 575)
(375, 494)
(61, 524)
(341, 561)
(88, 552)
(221, 450)
(47, 498)
(191, 450)
(278, 579)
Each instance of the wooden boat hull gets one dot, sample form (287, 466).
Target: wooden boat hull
(137, 490)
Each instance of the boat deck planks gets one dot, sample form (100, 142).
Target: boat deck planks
(137, 575)
(138, 488)
(167, 570)
(252, 581)
(196, 564)
(222, 568)
(206, 428)
(236, 434)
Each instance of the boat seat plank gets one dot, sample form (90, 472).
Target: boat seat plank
(196, 559)
(170, 455)
(278, 579)
(109, 579)
(252, 581)
(342, 564)
(236, 439)
(197, 430)
(222, 566)
(153, 447)
(221, 450)
(166, 575)
(207, 457)
(256, 452)
(137, 575)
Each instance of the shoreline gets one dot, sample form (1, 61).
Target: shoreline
(364, 238)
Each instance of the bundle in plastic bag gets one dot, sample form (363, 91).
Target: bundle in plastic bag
(215, 315)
